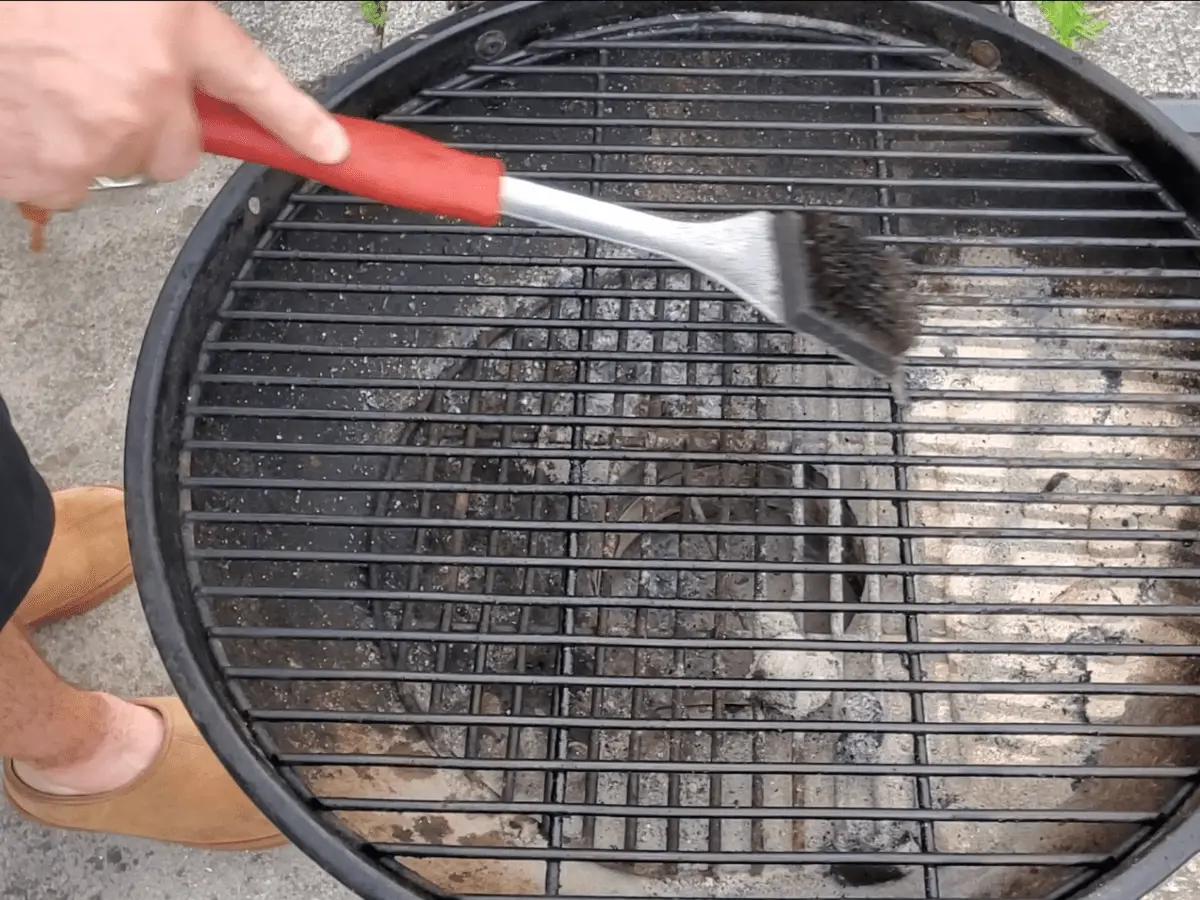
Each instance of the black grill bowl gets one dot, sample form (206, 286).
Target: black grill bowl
(497, 561)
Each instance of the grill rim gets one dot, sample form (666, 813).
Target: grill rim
(220, 244)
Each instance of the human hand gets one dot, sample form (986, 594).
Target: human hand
(105, 88)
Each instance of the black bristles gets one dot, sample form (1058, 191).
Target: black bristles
(855, 295)
(864, 287)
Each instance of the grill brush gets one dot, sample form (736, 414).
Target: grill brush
(801, 270)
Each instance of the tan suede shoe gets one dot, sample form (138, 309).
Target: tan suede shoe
(185, 797)
(88, 560)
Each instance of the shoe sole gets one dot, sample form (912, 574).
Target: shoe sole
(266, 843)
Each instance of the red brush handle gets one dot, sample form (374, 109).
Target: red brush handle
(386, 163)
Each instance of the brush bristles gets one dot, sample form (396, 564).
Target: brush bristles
(863, 287)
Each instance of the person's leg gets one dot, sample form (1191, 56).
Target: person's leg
(81, 759)
(32, 717)
(63, 740)
(61, 554)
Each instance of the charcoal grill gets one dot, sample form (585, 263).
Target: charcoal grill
(497, 561)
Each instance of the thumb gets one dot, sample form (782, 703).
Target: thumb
(229, 66)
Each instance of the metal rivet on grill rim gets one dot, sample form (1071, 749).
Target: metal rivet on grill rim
(254, 205)
(673, 596)
(490, 44)
(984, 53)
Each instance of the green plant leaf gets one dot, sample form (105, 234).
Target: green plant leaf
(1071, 22)
(1092, 29)
(374, 11)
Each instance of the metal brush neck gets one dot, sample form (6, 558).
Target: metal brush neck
(737, 253)
(581, 215)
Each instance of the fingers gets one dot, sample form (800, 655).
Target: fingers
(56, 189)
(129, 157)
(177, 148)
(61, 197)
(231, 67)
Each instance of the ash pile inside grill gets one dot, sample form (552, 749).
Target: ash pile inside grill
(1049, 428)
(635, 562)
(742, 536)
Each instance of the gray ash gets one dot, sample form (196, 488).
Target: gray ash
(862, 286)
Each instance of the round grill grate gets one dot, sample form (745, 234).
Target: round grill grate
(541, 567)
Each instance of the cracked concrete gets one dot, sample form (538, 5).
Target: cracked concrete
(74, 318)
